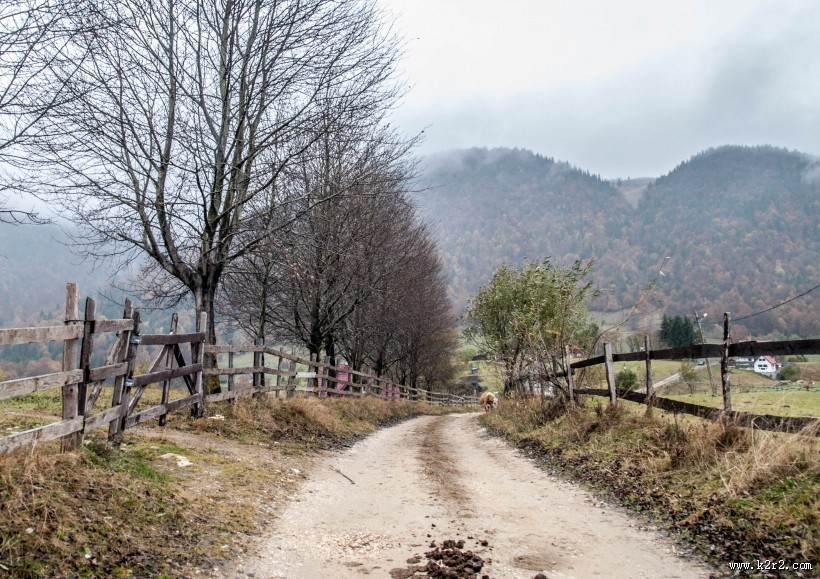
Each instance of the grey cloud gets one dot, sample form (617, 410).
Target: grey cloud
(762, 87)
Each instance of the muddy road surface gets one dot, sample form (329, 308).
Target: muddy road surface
(437, 495)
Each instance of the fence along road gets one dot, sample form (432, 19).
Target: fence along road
(180, 358)
(724, 352)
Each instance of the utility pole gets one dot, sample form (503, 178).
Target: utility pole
(708, 364)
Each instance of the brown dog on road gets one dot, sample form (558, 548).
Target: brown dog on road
(488, 401)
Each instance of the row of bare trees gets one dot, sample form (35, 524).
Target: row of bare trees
(356, 277)
(239, 150)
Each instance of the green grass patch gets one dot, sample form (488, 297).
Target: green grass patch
(102, 455)
(780, 403)
(45, 402)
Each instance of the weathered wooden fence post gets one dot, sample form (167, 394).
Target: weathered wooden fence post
(86, 350)
(648, 372)
(312, 382)
(169, 362)
(70, 353)
(119, 381)
(724, 364)
(278, 377)
(323, 372)
(125, 394)
(230, 376)
(556, 370)
(570, 382)
(257, 380)
(291, 387)
(610, 373)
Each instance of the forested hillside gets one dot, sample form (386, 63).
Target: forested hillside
(741, 225)
(738, 224)
(35, 264)
(494, 206)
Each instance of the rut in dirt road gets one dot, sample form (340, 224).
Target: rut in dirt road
(437, 496)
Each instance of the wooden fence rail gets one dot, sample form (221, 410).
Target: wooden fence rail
(79, 382)
(180, 359)
(317, 376)
(724, 352)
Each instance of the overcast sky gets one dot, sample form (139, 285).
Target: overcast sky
(625, 88)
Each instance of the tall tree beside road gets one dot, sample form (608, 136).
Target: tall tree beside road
(358, 277)
(525, 317)
(186, 112)
(406, 327)
(342, 215)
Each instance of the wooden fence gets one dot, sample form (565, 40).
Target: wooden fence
(321, 379)
(723, 351)
(82, 384)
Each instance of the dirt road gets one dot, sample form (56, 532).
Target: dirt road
(377, 509)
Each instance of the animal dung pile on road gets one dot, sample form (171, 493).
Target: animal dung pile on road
(446, 561)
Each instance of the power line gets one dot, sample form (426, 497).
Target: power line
(778, 305)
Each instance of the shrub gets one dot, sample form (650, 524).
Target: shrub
(626, 379)
(790, 372)
(688, 374)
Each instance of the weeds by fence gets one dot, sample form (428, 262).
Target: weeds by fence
(82, 384)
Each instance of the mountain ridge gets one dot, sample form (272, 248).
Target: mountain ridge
(739, 225)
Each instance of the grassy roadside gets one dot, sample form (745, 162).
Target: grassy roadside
(733, 494)
(171, 501)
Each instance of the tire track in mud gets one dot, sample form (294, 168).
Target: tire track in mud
(439, 466)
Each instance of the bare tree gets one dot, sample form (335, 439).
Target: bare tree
(340, 194)
(336, 260)
(406, 327)
(426, 341)
(186, 112)
(34, 34)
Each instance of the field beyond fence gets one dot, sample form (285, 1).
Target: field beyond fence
(724, 352)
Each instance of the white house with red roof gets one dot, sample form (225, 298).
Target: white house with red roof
(766, 365)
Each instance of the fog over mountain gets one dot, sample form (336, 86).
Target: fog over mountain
(739, 225)
(732, 229)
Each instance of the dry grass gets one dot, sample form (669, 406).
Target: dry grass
(737, 493)
(306, 420)
(95, 512)
(108, 512)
